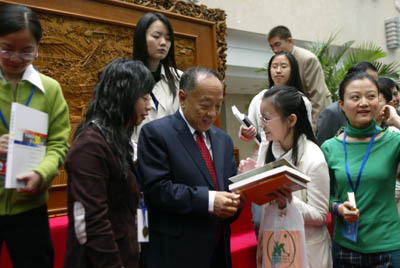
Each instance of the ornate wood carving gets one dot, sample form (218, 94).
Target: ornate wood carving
(190, 9)
(77, 46)
(75, 51)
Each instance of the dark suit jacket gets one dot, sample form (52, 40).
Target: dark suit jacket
(330, 120)
(176, 183)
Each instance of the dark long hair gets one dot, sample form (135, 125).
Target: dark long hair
(385, 87)
(14, 18)
(113, 105)
(350, 77)
(294, 78)
(140, 51)
(288, 100)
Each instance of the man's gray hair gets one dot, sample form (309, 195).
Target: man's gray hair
(190, 77)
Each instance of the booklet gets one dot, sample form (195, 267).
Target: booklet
(259, 184)
(27, 142)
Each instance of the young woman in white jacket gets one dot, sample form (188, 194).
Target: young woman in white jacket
(153, 44)
(290, 136)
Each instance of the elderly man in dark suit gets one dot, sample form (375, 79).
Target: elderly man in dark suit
(185, 163)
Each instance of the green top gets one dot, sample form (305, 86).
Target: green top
(379, 222)
(53, 103)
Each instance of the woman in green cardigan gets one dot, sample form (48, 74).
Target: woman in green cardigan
(363, 160)
(24, 224)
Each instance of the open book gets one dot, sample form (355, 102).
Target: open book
(260, 183)
(27, 142)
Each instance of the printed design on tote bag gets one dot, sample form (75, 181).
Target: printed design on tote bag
(281, 249)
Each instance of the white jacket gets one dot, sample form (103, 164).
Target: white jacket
(167, 104)
(313, 202)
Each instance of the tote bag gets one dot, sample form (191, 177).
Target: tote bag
(282, 239)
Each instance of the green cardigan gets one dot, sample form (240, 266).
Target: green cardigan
(53, 103)
(379, 222)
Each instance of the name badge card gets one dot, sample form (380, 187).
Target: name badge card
(350, 229)
(142, 224)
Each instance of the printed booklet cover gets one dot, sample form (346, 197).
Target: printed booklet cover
(27, 142)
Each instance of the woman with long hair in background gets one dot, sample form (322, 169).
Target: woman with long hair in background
(153, 44)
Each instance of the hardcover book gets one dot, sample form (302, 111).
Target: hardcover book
(260, 183)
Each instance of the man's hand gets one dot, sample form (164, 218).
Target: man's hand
(32, 180)
(241, 201)
(226, 204)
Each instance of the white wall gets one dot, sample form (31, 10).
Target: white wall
(313, 20)
(249, 21)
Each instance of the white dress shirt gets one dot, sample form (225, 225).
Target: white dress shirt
(211, 194)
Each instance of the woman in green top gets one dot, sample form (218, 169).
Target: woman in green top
(363, 160)
(24, 225)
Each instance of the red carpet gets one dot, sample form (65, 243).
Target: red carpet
(58, 227)
(243, 241)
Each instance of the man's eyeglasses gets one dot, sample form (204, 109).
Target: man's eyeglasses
(266, 121)
(7, 54)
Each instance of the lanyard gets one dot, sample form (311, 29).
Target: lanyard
(363, 163)
(26, 104)
(142, 204)
(154, 100)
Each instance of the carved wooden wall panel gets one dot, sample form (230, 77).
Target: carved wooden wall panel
(80, 39)
(74, 51)
(190, 9)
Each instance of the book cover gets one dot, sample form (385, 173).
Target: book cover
(259, 184)
(27, 142)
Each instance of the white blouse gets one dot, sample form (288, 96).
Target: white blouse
(167, 104)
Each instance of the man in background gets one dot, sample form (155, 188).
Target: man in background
(311, 73)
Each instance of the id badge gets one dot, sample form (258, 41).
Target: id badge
(349, 230)
(3, 165)
(142, 225)
(142, 221)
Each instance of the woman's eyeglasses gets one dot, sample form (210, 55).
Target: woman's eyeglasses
(7, 54)
(266, 120)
